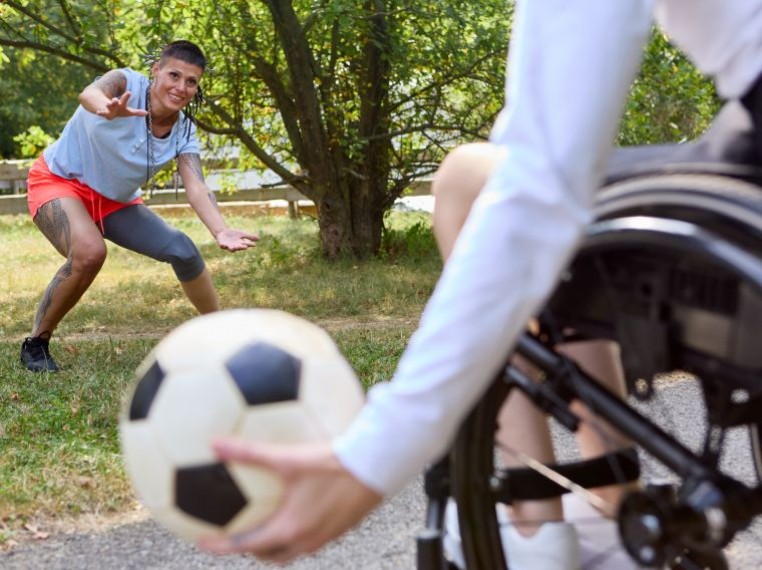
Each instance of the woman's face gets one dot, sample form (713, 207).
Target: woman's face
(175, 82)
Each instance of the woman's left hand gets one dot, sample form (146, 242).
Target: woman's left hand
(236, 240)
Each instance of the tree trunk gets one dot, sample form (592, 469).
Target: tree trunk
(335, 226)
(367, 220)
(350, 227)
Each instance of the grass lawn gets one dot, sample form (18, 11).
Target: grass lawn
(59, 452)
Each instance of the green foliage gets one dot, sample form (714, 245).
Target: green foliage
(66, 44)
(23, 82)
(32, 142)
(444, 58)
(347, 101)
(670, 100)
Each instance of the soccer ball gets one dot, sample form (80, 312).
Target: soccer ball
(259, 374)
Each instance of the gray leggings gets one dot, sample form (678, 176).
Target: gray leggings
(139, 229)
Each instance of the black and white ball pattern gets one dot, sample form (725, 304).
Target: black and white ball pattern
(254, 373)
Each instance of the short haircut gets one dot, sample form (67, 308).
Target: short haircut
(185, 51)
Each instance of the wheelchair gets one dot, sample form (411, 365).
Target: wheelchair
(671, 269)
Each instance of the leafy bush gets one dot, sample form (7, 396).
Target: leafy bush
(670, 101)
(414, 239)
(32, 142)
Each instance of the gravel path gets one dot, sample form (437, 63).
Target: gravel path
(385, 541)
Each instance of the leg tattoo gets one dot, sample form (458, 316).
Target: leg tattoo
(54, 225)
(61, 275)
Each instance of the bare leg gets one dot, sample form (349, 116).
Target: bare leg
(521, 426)
(601, 360)
(456, 185)
(458, 182)
(67, 225)
(200, 291)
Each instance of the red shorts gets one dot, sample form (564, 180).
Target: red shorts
(42, 186)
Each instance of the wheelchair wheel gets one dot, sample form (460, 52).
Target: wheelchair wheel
(683, 301)
(728, 207)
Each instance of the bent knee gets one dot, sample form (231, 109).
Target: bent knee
(88, 258)
(184, 257)
(464, 171)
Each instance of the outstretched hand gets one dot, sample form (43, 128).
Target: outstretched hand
(236, 240)
(321, 500)
(117, 107)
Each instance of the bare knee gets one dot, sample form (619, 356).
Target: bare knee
(456, 185)
(449, 179)
(87, 259)
(464, 171)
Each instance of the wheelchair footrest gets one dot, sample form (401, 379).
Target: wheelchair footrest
(526, 484)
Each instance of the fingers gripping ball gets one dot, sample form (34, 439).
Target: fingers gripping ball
(258, 374)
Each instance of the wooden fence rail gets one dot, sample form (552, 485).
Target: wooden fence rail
(13, 175)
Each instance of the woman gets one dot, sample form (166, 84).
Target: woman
(86, 187)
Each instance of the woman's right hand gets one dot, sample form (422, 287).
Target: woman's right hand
(117, 107)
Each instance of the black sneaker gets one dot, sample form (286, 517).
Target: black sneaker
(35, 355)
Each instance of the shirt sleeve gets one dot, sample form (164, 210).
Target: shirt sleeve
(570, 68)
(136, 87)
(188, 142)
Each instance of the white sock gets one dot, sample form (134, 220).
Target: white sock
(452, 543)
(599, 544)
(553, 547)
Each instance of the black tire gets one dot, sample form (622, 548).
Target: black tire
(729, 208)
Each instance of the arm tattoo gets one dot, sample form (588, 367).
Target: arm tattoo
(113, 83)
(193, 163)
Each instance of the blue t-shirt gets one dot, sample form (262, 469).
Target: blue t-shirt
(111, 156)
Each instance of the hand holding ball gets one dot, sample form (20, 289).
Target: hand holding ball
(257, 374)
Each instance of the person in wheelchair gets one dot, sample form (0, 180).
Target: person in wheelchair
(507, 231)
(523, 427)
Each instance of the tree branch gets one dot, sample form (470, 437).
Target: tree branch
(237, 131)
(299, 61)
(45, 24)
(267, 73)
(446, 80)
(26, 43)
(54, 51)
(73, 23)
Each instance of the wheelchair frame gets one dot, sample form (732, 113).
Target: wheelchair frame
(696, 257)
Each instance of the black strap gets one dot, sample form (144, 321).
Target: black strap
(526, 484)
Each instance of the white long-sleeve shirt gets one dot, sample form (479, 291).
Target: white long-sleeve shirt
(570, 68)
